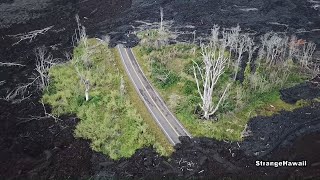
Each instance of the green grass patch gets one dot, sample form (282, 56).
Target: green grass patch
(257, 96)
(114, 123)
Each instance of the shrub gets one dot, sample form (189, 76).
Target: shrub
(189, 87)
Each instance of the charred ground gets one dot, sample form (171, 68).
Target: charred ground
(47, 149)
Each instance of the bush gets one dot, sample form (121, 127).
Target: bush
(190, 87)
(163, 77)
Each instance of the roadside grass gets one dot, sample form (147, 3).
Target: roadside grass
(115, 123)
(241, 104)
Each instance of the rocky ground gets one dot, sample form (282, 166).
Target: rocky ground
(46, 148)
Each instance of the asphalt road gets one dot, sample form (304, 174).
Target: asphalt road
(168, 123)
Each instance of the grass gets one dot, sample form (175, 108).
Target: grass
(241, 104)
(115, 123)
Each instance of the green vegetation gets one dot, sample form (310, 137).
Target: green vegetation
(111, 118)
(170, 68)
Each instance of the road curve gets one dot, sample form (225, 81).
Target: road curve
(168, 123)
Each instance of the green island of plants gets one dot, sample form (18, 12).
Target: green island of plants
(202, 84)
(172, 69)
(108, 118)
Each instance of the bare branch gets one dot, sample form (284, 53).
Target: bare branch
(46, 116)
(161, 29)
(44, 62)
(275, 47)
(29, 35)
(307, 52)
(242, 47)
(10, 64)
(20, 90)
(40, 79)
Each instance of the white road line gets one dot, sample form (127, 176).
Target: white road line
(137, 89)
(150, 95)
(163, 102)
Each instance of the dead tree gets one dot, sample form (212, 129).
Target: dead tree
(275, 48)
(293, 47)
(241, 48)
(40, 79)
(307, 52)
(207, 77)
(251, 48)
(233, 39)
(85, 81)
(44, 62)
(82, 63)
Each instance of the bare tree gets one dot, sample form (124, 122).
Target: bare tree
(293, 47)
(275, 48)
(241, 48)
(44, 62)
(233, 39)
(82, 63)
(307, 52)
(207, 77)
(251, 48)
(85, 81)
(40, 79)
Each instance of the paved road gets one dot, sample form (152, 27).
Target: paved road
(168, 123)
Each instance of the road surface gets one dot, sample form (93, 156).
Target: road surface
(168, 123)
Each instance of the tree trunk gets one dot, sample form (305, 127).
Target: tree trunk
(87, 95)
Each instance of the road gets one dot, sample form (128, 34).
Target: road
(168, 123)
